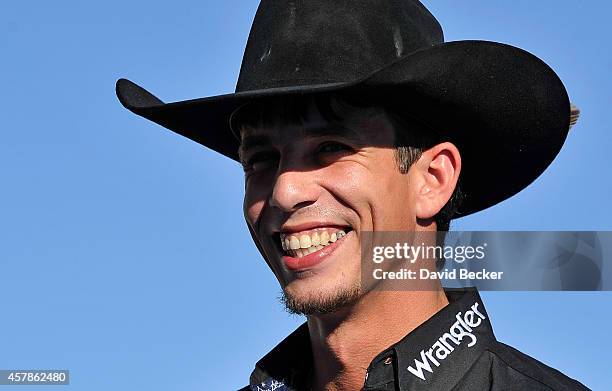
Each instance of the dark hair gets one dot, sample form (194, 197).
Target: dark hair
(412, 137)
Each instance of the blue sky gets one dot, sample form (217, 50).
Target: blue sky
(124, 256)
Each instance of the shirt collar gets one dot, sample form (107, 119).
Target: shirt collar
(435, 355)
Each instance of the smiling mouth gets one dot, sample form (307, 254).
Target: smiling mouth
(301, 244)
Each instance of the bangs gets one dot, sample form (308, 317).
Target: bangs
(293, 110)
(333, 108)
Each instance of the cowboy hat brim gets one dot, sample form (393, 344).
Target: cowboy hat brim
(505, 109)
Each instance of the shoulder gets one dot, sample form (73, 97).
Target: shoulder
(510, 366)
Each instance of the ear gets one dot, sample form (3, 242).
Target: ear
(437, 175)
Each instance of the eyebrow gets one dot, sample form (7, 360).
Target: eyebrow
(250, 142)
(333, 129)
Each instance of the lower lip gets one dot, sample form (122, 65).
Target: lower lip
(311, 260)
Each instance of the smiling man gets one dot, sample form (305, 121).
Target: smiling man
(314, 184)
(353, 117)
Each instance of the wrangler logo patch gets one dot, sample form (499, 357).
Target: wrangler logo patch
(443, 347)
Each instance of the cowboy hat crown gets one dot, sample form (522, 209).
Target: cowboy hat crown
(318, 42)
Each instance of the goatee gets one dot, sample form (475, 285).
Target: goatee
(324, 303)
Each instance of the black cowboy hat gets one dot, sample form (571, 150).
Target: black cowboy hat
(505, 109)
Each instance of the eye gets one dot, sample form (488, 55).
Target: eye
(332, 147)
(260, 161)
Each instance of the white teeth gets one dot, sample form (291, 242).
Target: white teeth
(316, 240)
(294, 243)
(324, 238)
(305, 241)
(302, 245)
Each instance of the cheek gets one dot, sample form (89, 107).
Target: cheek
(352, 185)
(345, 180)
(378, 193)
(364, 180)
(254, 201)
(252, 208)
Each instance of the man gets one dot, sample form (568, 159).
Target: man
(353, 117)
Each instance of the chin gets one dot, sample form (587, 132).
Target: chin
(310, 298)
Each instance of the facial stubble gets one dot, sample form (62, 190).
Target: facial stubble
(323, 302)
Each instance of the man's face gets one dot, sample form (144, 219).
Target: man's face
(312, 188)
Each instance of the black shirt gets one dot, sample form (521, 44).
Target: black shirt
(455, 349)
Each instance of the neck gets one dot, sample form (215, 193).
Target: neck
(344, 343)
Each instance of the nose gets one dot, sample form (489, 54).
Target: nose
(294, 190)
